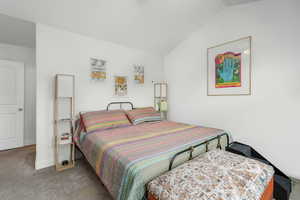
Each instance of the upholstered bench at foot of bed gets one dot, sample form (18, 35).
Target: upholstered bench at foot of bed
(268, 194)
(215, 175)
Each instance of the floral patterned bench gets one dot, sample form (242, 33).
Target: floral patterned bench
(215, 175)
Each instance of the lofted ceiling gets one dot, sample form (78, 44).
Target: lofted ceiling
(17, 32)
(156, 26)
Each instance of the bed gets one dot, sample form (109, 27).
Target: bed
(128, 157)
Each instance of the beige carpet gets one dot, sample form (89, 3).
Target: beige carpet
(19, 180)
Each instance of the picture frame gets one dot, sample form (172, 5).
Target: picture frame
(121, 86)
(98, 69)
(229, 68)
(139, 75)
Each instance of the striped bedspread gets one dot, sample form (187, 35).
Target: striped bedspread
(127, 158)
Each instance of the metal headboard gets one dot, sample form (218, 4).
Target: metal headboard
(120, 104)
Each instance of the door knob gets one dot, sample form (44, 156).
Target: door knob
(20, 109)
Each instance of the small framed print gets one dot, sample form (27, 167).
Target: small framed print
(98, 69)
(139, 74)
(229, 68)
(120, 86)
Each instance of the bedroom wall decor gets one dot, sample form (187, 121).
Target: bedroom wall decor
(139, 74)
(120, 85)
(98, 69)
(229, 68)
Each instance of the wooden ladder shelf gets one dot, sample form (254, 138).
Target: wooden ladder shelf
(63, 121)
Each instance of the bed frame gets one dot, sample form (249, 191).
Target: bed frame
(206, 143)
(120, 104)
(190, 149)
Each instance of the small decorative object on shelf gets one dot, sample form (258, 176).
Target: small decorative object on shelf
(63, 121)
(65, 163)
(65, 138)
(161, 98)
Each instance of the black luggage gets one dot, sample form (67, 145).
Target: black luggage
(282, 183)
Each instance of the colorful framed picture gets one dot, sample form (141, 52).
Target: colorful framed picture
(98, 69)
(139, 74)
(120, 85)
(229, 68)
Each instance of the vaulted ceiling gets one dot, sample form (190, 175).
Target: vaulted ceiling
(17, 32)
(151, 25)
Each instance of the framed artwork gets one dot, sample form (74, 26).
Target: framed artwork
(229, 68)
(120, 85)
(98, 69)
(139, 74)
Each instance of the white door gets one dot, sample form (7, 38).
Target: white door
(11, 104)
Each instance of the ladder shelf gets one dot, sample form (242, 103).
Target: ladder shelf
(63, 121)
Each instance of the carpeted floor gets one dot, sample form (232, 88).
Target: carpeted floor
(19, 180)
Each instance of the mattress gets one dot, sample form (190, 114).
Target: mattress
(127, 158)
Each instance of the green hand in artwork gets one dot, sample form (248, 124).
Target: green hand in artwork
(227, 71)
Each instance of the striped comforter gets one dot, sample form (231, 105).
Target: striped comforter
(127, 158)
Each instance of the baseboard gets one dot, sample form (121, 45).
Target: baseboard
(20, 148)
(28, 146)
(40, 164)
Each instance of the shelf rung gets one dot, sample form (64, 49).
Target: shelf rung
(64, 120)
(64, 97)
(68, 143)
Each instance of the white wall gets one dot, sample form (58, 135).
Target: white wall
(268, 119)
(60, 51)
(26, 56)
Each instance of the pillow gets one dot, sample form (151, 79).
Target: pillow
(140, 115)
(102, 120)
